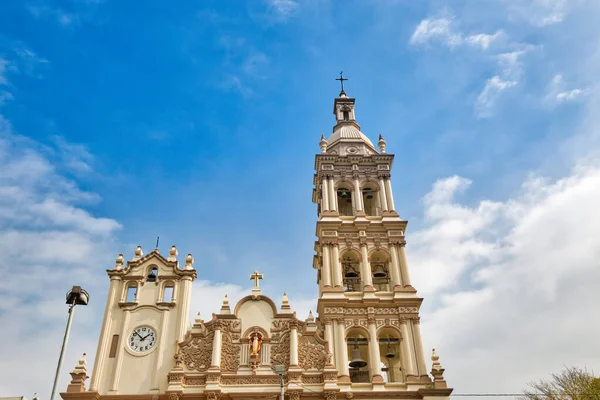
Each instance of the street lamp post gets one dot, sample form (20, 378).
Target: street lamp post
(76, 296)
(280, 370)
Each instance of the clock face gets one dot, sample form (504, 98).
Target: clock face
(142, 339)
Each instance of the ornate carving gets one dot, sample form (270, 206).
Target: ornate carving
(371, 320)
(295, 395)
(174, 396)
(212, 395)
(312, 354)
(281, 325)
(332, 241)
(416, 320)
(280, 352)
(230, 354)
(331, 395)
(175, 377)
(195, 380)
(349, 395)
(312, 379)
(330, 375)
(197, 353)
(250, 380)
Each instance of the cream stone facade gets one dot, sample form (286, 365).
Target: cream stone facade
(365, 342)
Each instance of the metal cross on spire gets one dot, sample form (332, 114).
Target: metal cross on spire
(341, 79)
(256, 276)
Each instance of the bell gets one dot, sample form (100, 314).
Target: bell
(350, 272)
(390, 353)
(379, 272)
(357, 361)
(151, 277)
(369, 194)
(343, 194)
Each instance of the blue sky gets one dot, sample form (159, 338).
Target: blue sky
(198, 122)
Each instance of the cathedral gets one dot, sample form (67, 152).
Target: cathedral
(364, 341)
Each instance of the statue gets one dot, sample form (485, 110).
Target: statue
(255, 344)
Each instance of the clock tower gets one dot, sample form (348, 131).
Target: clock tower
(146, 315)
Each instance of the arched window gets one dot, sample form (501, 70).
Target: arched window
(344, 200)
(389, 353)
(351, 273)
(358, 354)
(168, 292)
(371, 200)
(131, 294)
(380, 271)
(346, 115)
(152, 275)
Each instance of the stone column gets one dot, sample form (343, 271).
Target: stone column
(358, 204)
(395, 269)
(401, 249)
(325, 194)
(215, 363)
(416, 328)
(382, 194)
(332, 196)
(389, 195)
(326, 271)
(329, 338)
(293, 344)
(105, 337)
(342, 349)
(365, 267)
(337, 268)
(408, 358)
(374, 356)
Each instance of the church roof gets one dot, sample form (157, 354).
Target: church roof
(349, 133)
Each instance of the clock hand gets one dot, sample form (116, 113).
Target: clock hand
(138, 335)
(144, 338)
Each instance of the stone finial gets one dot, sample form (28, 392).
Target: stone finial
(173, 254)
(285, 304)
(189, 262)
(381, 143)
(225, 309)
(137, 253)
(323, 144)
(437, 371)
(78, 377)
(198, 320)
(310, 318)
(119, 262)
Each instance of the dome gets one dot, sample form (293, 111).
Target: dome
(348, 133)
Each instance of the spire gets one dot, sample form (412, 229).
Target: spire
(323, 144)
(381, 144)
(225, 309)
(285, 305)
(437, 371)
(78, 377)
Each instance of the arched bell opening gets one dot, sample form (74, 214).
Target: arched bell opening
(351, 272)
(380, 270)
(344, 201)
(370, 197)
(152, 274)
(389, 355)
(358, 355)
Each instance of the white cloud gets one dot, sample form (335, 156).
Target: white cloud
(513, 282)
(483, 40)
(541, 13)
(443, 30)
(436, 29)
(48, 243)
(5, 96)
(557, 92)
(283, 9)
(489, 95)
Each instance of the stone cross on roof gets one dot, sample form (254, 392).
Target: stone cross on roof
(256, 276)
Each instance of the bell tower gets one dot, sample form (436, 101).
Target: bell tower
(368, 308)
(146, 315)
